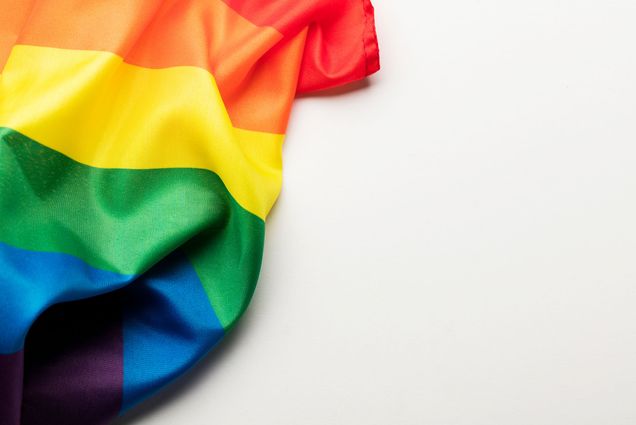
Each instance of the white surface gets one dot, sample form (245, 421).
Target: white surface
(454, 244)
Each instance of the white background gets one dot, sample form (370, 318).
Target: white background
(455, 241)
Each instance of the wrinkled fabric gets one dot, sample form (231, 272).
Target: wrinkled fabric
(140, 153)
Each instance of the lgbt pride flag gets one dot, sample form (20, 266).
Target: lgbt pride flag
(140, 152)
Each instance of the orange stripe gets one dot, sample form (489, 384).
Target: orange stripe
(165, 33)
(12, 18)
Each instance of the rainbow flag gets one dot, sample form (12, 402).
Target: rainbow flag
(140, 153)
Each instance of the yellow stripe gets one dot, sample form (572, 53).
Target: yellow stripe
(100, 111)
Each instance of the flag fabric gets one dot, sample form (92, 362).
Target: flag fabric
(140, 153)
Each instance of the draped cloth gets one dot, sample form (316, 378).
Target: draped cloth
(140, 153)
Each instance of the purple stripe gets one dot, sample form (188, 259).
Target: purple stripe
(10, 388)
(73, 364)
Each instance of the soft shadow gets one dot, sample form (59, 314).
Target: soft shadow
(203, 370)
(340, 90)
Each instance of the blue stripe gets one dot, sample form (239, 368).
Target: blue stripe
(169, 325)
(31, 281)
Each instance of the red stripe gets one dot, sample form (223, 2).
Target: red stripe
(341, 44)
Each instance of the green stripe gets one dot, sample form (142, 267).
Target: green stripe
(126, 220)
